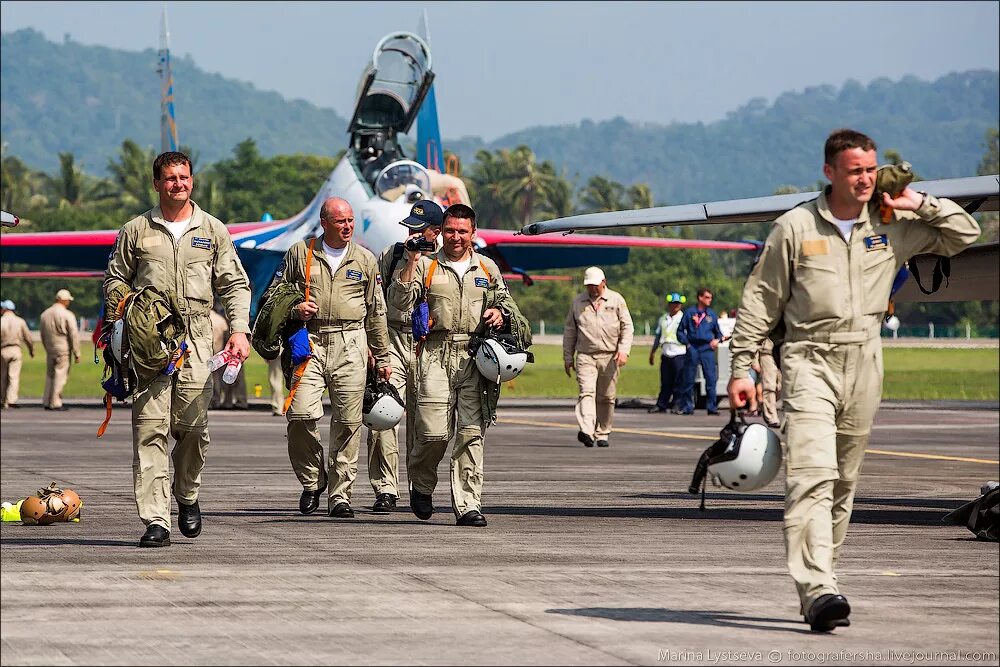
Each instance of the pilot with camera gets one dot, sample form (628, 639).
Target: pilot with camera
(383, 448)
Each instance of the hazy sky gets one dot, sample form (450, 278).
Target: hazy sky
(507, 66)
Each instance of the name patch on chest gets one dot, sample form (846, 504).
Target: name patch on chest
(354, 274)
(199, 242)
(876, 242)
(482, 282)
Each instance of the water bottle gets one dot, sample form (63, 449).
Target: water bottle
(232, 370)
(218, 361)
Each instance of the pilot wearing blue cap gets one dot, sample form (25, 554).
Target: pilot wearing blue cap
(672, 354)
(424, 221)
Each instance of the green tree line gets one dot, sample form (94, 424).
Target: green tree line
(508, 187)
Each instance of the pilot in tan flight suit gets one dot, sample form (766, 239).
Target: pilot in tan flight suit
(345, 316)
(457, 281)
(383, 446)
(825, 274)
(189, 256)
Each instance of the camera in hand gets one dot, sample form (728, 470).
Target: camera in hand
(421, 244)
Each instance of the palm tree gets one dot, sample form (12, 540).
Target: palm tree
(525, 183)
(640, 196)
(486, 177)
(132, 174)
(601, 195)
(557, 201)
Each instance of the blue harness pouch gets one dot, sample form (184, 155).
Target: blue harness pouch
(421, 321)
(298, 345)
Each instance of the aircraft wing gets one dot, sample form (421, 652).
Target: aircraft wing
(514, 251)
(976, 193)
(81, 250)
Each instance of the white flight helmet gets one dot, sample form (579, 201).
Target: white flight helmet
(382, 408)
(500, 361)
(118, 339)
(751, 462)
(746, 457)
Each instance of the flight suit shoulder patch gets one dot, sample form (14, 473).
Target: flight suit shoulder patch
(812, 247)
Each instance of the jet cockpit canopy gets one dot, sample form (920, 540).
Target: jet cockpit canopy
(393, 84)
(404, 176)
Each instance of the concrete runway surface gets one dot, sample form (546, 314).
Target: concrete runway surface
(591, 556)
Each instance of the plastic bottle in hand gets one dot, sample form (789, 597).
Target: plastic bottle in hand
(218, 361)
(232, 369)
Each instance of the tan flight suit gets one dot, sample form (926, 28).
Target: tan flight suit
(276, 383)
(60, 337)
(446, 380)
(351, 319)
(831, 295)
(595, 331)
(770, 380)
(202, 264)
(13, 331)
(383, 446)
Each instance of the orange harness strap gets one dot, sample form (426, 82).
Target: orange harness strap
(300, 371)
(119, 312)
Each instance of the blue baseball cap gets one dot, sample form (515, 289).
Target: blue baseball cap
(425, 213)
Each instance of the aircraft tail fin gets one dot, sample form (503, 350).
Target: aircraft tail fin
(429, 151)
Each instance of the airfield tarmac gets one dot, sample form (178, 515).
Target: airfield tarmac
(591, 556)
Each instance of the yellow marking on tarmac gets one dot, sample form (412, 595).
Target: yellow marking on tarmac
(934, 457)
(686, 436)
(891, 574)
(634, 431)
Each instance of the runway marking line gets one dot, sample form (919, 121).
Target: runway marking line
(686, 436)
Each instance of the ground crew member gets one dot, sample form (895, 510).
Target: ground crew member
(770, 381)
(60, 338)
(699, 330)
(345, 316)
(598, 331)
(188, 256)
(825, 274)
(457, 281)
(383, 446)
(13, 332)
(672, 354)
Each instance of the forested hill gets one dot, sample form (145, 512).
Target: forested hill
(939, 126)
(88, 99)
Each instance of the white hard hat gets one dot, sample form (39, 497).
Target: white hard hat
(382, 408)
(500, 362)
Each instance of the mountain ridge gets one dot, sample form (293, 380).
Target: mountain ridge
(938, 125)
